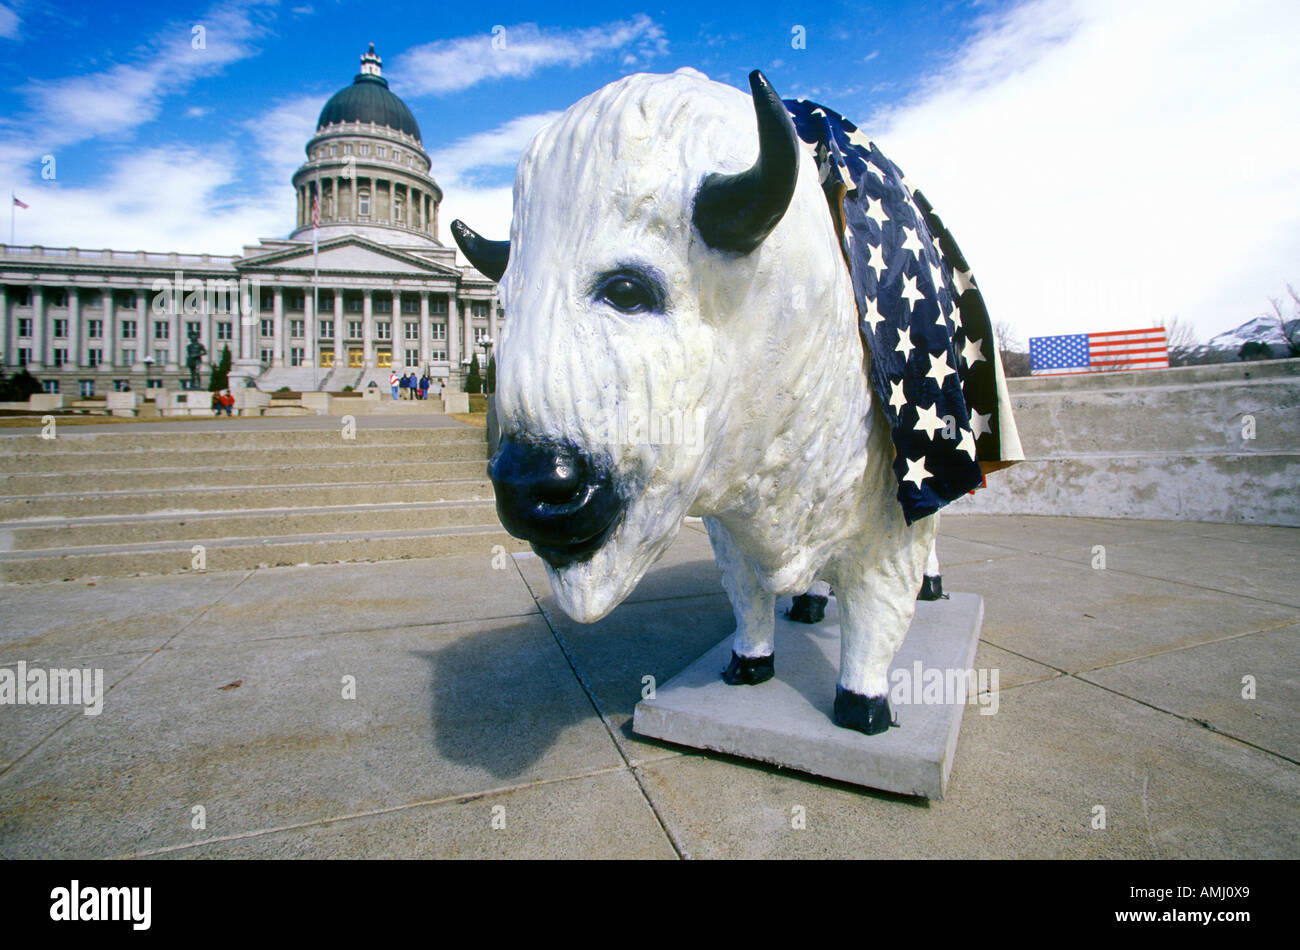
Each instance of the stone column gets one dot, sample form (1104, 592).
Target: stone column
(143, 337)
(340, 350)
(309, 327)
(492, 324)
(9, 356)
(76, 352)
(398, 338)
(277, 315)
(467, 341)
(112, 341)
(453, 332)
(367, 330)
(426, 340)
(246, 345)
(40, 332)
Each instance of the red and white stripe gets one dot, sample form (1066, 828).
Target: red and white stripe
(1128, 349)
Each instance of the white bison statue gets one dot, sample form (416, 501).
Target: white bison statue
(673, 256)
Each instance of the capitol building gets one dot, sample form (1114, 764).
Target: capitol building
(387, 294)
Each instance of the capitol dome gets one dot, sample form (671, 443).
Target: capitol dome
(366, 172)
(368, 99)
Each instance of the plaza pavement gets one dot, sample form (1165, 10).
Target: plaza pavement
(477, 704)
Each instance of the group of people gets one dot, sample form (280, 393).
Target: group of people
(223, 401)
(409, 386)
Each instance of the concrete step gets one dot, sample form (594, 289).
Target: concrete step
(240, 498)
(121, 438)
(82, 482)
(223, 554)
(283, 523)
(198, 459)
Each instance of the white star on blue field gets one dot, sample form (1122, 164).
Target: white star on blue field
(1066, 142)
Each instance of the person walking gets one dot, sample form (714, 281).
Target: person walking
(424, 387)
(393, 381)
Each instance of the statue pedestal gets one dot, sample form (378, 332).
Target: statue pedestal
(787, 720)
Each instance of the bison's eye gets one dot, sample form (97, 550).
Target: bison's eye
(629, 291)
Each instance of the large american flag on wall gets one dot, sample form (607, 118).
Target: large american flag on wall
(934, 364)
(1098, 352)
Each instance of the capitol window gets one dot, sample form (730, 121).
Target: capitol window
(24, 326)
(94, 329)
(347, 149)
(334, 149)
(363, 204)
(383, 330)
(380, 151)
(363, 149)
(128, 329)
(397, 208)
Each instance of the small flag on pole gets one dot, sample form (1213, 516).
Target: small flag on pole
(1098, 352)
(21, 204)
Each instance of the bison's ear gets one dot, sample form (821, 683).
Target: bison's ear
(736, 212)
(490, 257)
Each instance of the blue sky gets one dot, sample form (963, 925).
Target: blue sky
(1104, 163)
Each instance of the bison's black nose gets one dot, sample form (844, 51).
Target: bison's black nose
(556, 497)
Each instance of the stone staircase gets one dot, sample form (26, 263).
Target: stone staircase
(120, 503)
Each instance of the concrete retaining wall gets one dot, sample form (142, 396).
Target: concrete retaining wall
(1163, 444)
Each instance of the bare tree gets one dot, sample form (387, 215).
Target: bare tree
(1014, 353)
(1291, 333)
(1180, 339)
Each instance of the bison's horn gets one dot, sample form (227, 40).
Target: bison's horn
(736, 212)
(490, 257)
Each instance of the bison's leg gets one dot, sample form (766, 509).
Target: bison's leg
(877, 596)
(810, 607)
(755, 609)
(932, 583)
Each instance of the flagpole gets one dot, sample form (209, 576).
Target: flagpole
(13, 203)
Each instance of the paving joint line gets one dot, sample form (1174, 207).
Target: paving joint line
(149, 655)
(456, 799)
(591, 698)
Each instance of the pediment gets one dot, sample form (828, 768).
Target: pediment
(346, 255)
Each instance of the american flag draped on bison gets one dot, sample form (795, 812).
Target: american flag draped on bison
(681, 250)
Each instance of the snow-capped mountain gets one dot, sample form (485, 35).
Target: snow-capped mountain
(1263, 329)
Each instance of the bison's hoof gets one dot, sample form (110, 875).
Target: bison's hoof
(931, 588)
(869, 714)
(749, 670)
(807, 608)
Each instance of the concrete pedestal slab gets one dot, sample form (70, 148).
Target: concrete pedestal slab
(787, 720)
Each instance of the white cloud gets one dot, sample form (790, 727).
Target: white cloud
(487, 209)
(119, 99)
(160, 199)
(8, 23)
(516, 52)
(1107, 163)
(494, 148)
